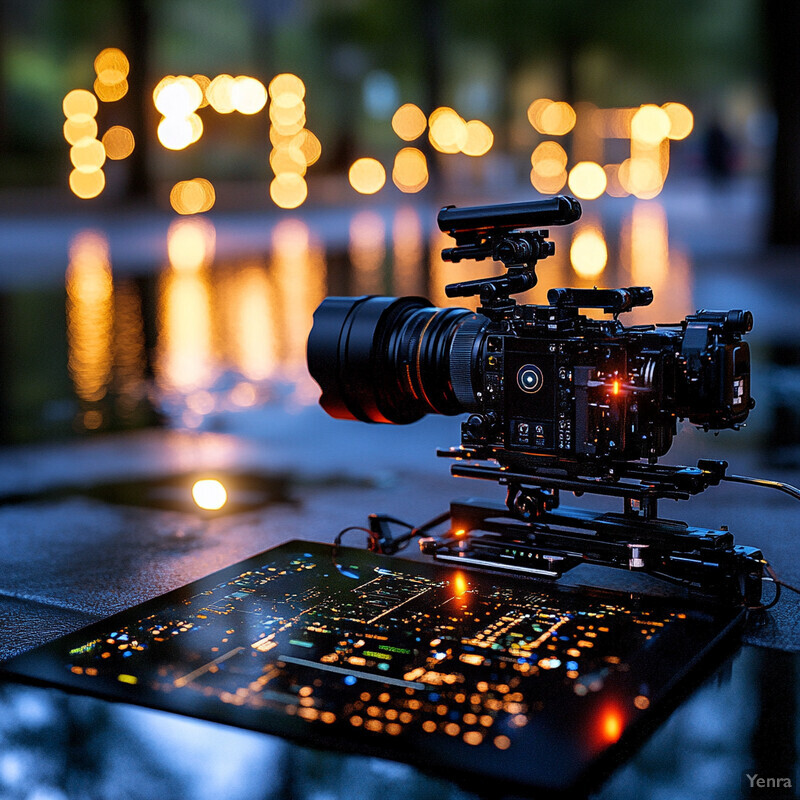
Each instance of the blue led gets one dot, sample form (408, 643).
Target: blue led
(350, 679)
(572, 665)
(433, 697)
(522, 661)
(127, 654)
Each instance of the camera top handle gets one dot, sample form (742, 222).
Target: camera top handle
(499, 232)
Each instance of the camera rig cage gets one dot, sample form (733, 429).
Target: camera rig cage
(532, 533)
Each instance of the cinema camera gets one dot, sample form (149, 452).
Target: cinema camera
(555, 401)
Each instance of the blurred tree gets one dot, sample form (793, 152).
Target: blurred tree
(782, 33)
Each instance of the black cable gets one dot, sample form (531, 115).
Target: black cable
(371, 537)
(404, 540)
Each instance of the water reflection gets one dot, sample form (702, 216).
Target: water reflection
(186, 357)
(90, 317)
(367, 252)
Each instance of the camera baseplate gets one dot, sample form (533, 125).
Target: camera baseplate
(532, 534)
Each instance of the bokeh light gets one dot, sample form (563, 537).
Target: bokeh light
(191, 244)
(409, 122)
(588, 253)
(87, 184)
(551, 118)
(74, 131)
(479, 139)
(288, 190)
(650, 125)
(681, 120)
(286, 84)
(177, 97)
(80, 105)
(549, 159)
(118, 142)
(88, 155)
(193, 196)
(110, 94)
(641, 177)
(203, 81)
(447, 130)
(410, 171)
(367, 175)
(209, 494)
(248, 95)
(111, 66)
(219, 94)
(587, 180)
(177, 133)
(288, 159)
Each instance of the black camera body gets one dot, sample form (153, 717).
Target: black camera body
(551, 385)
(555, 401)
(544, 385)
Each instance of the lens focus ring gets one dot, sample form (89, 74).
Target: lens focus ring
(462, 357)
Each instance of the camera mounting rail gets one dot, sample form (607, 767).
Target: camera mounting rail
(532, 534)
(503, 234)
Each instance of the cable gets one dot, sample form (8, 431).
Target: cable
(781, 487)
(371, 537)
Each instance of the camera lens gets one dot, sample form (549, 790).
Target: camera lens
(387, 359)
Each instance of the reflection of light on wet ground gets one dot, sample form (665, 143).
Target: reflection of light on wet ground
(90, 318)
(129, 348)
(408, 253)
(300, 278)
(246, 303)
(367, 252)
(588, 252)
(186, 354)
(645, 252)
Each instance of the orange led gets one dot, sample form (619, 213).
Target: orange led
(615, 389)
(611, 725)
(460, 532)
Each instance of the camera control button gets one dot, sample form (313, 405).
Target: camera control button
(530, 378)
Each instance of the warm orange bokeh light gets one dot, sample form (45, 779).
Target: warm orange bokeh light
(409, 122)
(681, 120)
(367, 175)
(74, 131)
(410, 172)
(110, 94)
(80, 105)
(190, 244)
(551, 118)
(479, 139)
(286, 84)
(209, 494)
(219, 94)
(587, 180)
(447, 130)
(460, 584)
(192, 197)
(90, 316)
(588, 253)
(88, 155)
(650, 125)
(111, 66)
(87, 184)
(118, 142)
(248, 95)
(288, 190)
